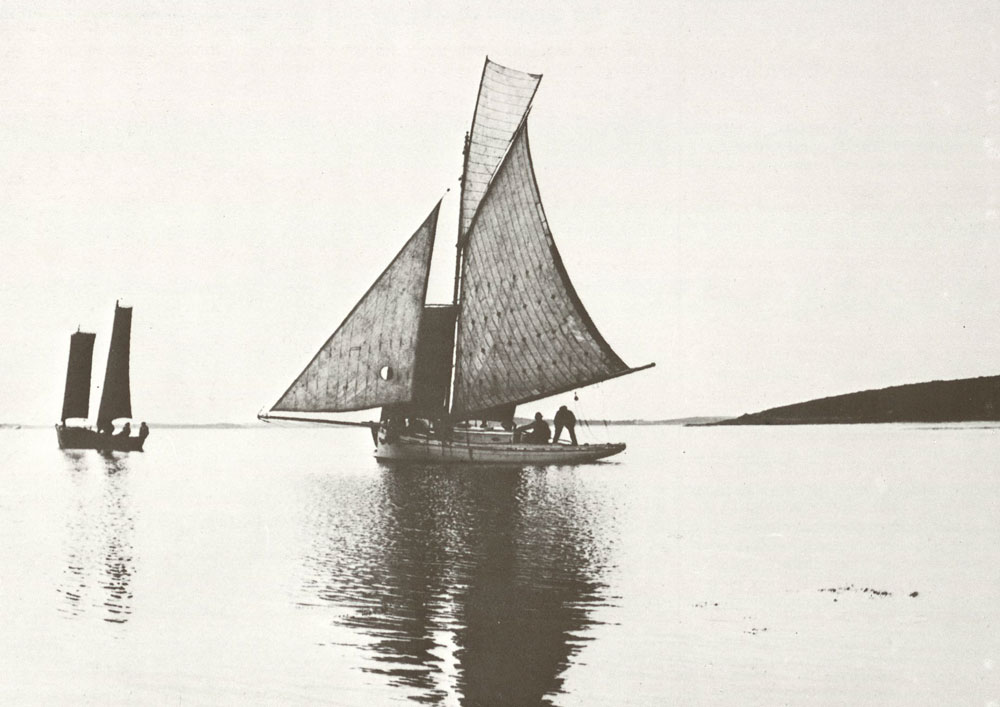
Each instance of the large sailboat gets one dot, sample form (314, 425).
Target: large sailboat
(116, 397)
(515, 332)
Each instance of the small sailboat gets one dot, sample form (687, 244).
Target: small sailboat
(515, 332)
(116, 397)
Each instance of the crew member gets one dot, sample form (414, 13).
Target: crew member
(538, 431)
(565, 418)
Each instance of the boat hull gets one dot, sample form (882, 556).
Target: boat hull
(438, 451)
(85, 438)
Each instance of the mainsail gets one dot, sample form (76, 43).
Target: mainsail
(504, 98)
(369, 360)
(116, 398)
(76, 399)
(523, 333)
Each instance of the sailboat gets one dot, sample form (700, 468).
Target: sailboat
(116, 398)
(515, 331)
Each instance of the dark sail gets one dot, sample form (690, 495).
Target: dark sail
(432, 368)
(500, 413)
(523, 333)
(76, 399)
(116, 398)
(369, 360)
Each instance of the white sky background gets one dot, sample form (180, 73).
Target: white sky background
(774, 201)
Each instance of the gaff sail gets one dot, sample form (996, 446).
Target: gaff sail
(116, 398)
(76, 398)
(369, 360)
(504, 98)
(523, 334)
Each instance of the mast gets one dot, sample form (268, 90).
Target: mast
(76, 398)
(459, 239)
(461, 198)
(116, 398)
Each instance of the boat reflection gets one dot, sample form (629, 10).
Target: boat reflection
(468, 586)
(99, 529)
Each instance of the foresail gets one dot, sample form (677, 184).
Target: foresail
(504, 98)
(523, 333)
(116, 398)
(369, 360)
(76, 399)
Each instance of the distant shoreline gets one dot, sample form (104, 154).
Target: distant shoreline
(961, 400)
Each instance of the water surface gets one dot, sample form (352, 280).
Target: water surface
(706, 566)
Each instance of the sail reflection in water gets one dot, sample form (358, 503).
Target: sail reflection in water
(465, 585)
(97, 580)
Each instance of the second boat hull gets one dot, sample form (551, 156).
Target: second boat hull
(86, 438)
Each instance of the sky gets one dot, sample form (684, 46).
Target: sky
(772, 201)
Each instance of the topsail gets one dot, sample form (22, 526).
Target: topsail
(504, 98)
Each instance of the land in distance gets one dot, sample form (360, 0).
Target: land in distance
(961, 400)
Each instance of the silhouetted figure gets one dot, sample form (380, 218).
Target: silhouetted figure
(538, 432)
(441, 429)
(105, 427)
(126, 430)
(143, 430)
(394, 426)
(565, 418)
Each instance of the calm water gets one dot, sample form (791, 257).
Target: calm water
(716, 566)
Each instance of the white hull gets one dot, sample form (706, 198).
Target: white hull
(423, 449)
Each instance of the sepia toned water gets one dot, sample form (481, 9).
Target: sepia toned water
(705, 566)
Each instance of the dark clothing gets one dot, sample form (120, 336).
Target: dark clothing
(394, 426)
(538, 432)
(126, 430)
(143, 431)
(565, 418)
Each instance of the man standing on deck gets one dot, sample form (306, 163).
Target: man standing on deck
(565, 418)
